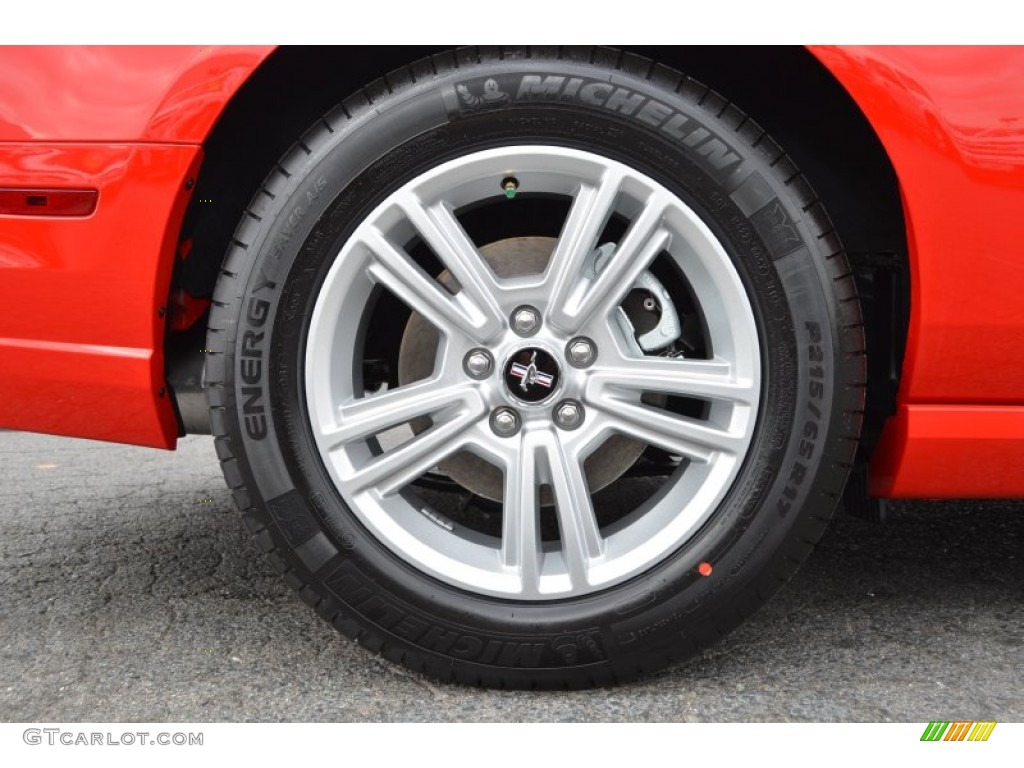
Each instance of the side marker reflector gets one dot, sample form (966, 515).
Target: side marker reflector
(47, 202)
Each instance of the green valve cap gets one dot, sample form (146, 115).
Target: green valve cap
(511, 186)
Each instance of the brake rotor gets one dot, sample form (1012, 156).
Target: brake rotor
(512, 257)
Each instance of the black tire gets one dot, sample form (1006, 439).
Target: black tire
(744, 187)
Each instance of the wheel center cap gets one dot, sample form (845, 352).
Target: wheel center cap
(531, 375)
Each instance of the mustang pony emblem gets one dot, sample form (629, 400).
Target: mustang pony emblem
(528, 375)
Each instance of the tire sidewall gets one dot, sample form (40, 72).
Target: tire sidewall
(776, 248)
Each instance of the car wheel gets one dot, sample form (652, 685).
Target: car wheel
(535, 369)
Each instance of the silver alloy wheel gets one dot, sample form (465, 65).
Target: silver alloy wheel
(347, 422)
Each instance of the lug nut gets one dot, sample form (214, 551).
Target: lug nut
(568, 414)
(478, 363)
(505, 422)
(525, 321)
(580, 352)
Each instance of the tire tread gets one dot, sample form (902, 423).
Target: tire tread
(850, 330)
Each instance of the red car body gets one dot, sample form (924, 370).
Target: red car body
(83, 298)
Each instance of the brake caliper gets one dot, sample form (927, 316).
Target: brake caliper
(647, 317)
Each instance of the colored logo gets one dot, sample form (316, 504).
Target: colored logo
(528, 375)
(958, 731)
(531, 375)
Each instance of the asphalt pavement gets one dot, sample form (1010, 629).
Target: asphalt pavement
(129, 591)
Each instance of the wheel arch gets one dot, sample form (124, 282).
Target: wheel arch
(793, 95)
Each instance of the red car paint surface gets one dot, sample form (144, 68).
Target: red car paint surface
(81, 326)
(952, 122)
(163, 94)
(81, 298)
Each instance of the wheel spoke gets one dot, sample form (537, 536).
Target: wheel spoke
(581, 538)
(380, 449)
(402, 276)
(395, 469)
(520, 536)
(644, 240)
(590, 211)
(698, 441)
(705, 379)
(367, 416)
(439, 228)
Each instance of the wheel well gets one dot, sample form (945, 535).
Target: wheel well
(805, 109)
(786, 89)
